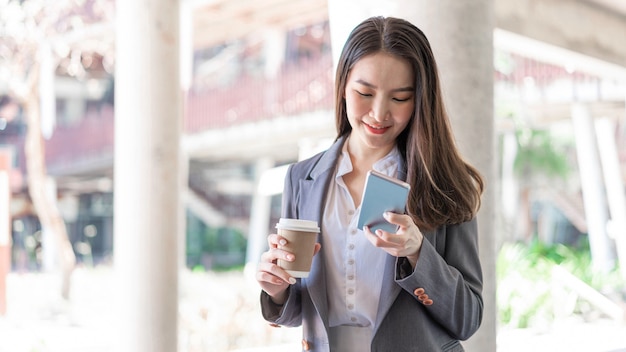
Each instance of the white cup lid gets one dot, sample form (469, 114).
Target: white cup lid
(298, 225)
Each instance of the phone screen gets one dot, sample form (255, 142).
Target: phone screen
(382, 193)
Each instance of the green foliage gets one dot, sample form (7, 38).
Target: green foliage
(538, 154)
(523, 286)
(527, 295)
(213, 248)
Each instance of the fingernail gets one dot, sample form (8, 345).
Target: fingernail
(289, 257)
(379, 232)
(292, 280)
(282, 242)
(386, 214)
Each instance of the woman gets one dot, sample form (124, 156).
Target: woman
(420, 288)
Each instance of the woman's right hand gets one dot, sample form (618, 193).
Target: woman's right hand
(273, 279)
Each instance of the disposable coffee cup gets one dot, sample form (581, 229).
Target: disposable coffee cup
(301, 236)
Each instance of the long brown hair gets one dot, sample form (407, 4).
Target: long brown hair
(444, 188)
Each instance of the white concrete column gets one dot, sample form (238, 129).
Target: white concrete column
(259, 219)
(6, 160)
(274, 51)
(186, 51)
(508, 187)
(183, 181)
(49, 248)
(594, 200)
(605, 129)
(186, 43)
(47, 95)
(461, 35)
(147, 133)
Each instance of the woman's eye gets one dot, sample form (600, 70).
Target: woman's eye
(363, 94)
(402, 99)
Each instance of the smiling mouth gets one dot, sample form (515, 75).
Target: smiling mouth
(376, 129)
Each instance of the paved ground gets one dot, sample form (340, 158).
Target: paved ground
(217, 320)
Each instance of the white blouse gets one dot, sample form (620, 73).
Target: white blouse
(354, 266)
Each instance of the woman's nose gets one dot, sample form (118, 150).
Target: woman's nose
(380, 111)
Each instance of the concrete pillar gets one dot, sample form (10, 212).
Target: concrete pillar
(183, 178)
(594, 200)
(259, 219)
(616, 196)
(49, 247)
(147, 134)
(508, 188)
(47, 95)
(186, 44)
(6, 160)
(461, 35)
(274, 51)
(186, 79)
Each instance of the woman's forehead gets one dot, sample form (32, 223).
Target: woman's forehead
(382, 70)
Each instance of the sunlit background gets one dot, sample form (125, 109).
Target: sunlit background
(257, 78)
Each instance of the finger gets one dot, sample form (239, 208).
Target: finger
(317, 248)
(274, 274)
(380, 238)
(401, 220)
(275, 240)
(274, 254)
(270, 283)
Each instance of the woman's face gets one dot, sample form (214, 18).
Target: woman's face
(380, 100)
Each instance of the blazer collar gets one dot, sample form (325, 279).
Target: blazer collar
(328, 159)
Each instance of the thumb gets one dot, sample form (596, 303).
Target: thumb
(317, 248)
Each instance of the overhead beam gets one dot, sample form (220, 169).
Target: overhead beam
(578, 26)
(222, 21)
(585, 27)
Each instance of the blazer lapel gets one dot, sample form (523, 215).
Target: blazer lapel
(312, 198)
(316, 282)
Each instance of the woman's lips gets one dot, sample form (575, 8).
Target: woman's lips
(376, 129)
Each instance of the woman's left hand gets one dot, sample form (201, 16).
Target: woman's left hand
(406, 242)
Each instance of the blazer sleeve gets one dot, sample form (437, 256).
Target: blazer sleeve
(450, 273)
(290, 313)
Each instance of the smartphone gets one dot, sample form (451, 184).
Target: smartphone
(382, 193)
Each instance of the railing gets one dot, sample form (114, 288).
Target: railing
(89, 140)
(299, 88)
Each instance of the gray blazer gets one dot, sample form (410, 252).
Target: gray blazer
(448, 271)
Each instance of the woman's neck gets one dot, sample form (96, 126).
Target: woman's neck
(364, 158)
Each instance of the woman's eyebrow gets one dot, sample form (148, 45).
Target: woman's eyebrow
(367, 84)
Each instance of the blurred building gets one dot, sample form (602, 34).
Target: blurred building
(260, 95)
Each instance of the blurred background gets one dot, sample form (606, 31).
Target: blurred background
(257, 83)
